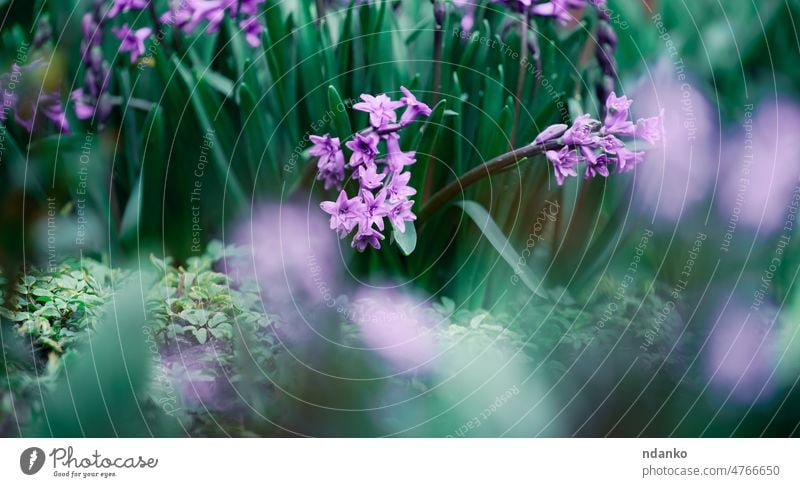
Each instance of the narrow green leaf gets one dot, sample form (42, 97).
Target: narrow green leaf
(500, 242)
(341, 122)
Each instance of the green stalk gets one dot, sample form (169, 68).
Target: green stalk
(493, 166)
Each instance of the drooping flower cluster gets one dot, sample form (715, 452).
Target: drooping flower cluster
(599, 145)
(92, 99)
(189, 14)
(382, 179)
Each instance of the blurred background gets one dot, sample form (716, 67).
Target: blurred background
(167, 271)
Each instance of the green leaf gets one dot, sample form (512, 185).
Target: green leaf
(500, 242)
(341, 122)
(407, 240)
(145, 199)
(201, 335)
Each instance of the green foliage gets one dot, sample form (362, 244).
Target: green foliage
(197, 303)
(54, 309)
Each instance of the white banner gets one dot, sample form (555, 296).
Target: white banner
(398, 462)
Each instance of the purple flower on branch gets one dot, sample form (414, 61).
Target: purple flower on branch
(369, 178)
(365, 148)
(122, 6)
(401, 213)
(398, 189)
(396, 159)
(564, 162)
(375, 208)
(414, 107)
(381, 194)
(367, 237)
(345, 213)
(381, 109)
(599, 147)
(132, 40)
(617, 114)
(581, 132)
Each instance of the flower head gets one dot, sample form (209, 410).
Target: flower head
(369, 178)
(381, 109)
(132, 40)
(616, 121)
(401, 213)
(375, 208)
(396, 158)
(345, 213)
(650, 129)
(564, 162)
(365, 148)
(414, 107)
(121, 6)
(398, 189)
(381, 194)
(581, 132)
(367, 237)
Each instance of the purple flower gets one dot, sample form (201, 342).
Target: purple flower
(616, 121)
(558, 9)
(345, 213)
(595, 164)
(610, 144)
(92, 35)
(84, 109)
(564, 162)
(650, 129)
(331, 176)
(468, 19)
(369, 178)
(365, 148)
(328, 149)
(552, 132)
(401, 213)
(92, 100)
(581, 132)
(252, 29)
(189, 14)
(396, 159)
(132, 40)
(381, 194)
(414, 107)
(367, 237)
(375, 208)
(398, 188)
(126, 6)
(380, 108)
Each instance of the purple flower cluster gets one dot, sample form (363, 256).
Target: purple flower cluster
(189, 14)
(598, 145)
(92, 99)
(383, 182)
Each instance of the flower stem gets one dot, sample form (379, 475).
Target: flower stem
(523, 64)
(493, 166)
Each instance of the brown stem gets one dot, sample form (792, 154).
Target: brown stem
(475, 174)
(523, 63)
